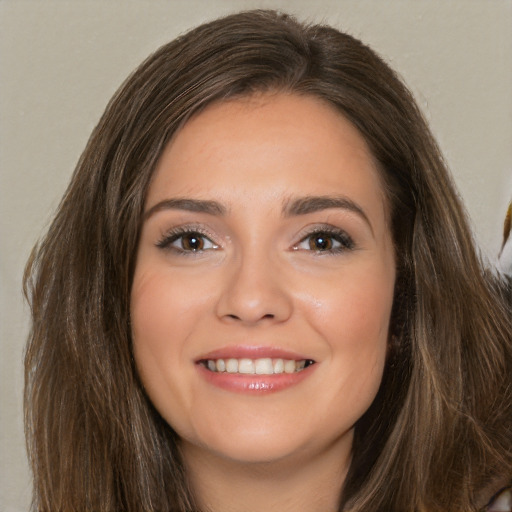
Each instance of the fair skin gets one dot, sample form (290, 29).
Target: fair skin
(265, 244)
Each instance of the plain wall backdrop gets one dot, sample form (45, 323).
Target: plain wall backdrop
(61, 61)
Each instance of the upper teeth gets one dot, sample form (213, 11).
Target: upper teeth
(264, 366)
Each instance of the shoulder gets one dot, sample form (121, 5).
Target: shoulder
(501, 501)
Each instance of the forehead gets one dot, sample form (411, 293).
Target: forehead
(269, 142)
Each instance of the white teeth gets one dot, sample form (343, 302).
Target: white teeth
(232, 365)
(289, 366)
(278, 366)
(246, 366)
(300, 365)
(263, 366)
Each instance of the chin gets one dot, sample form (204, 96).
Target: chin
(257, 453)
(259, 444)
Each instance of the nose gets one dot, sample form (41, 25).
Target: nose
(254, 293)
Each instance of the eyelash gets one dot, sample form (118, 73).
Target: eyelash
(175, 234)
(328, 233)
(332, 234)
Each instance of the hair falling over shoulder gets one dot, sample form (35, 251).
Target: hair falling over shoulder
(437, 437)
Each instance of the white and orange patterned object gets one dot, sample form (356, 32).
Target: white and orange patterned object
(505, 257)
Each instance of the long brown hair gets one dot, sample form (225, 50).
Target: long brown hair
(439, 430)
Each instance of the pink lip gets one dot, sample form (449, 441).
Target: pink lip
(254, 384)
(252, 352)
(243, 383)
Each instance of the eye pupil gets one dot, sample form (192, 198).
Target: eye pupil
(320, 242)
(192, 242)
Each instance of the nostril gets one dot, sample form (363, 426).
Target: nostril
(268, 316)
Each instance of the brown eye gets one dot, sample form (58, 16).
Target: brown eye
(183, 242)
(328, 241)
(192, 242)
(320, 242)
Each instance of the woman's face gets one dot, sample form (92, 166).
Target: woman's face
(264, 280)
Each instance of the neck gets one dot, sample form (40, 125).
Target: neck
(223, 485)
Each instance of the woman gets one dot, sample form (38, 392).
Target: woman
(260, 292)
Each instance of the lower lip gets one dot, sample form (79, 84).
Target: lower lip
(255, 384)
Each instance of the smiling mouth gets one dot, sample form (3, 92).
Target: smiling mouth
(261, 366)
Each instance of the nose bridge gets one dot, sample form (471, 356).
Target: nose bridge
(254, 290)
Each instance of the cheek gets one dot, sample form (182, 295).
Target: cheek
(164, 308)
(357, 311)
(153, 308)
(162, 318)
(353, 318)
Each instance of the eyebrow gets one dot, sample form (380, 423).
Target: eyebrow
(312, 204)
(191, 205)
(292, 207)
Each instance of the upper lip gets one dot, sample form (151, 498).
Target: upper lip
(252, 352)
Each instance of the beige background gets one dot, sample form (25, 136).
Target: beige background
(60, 61)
